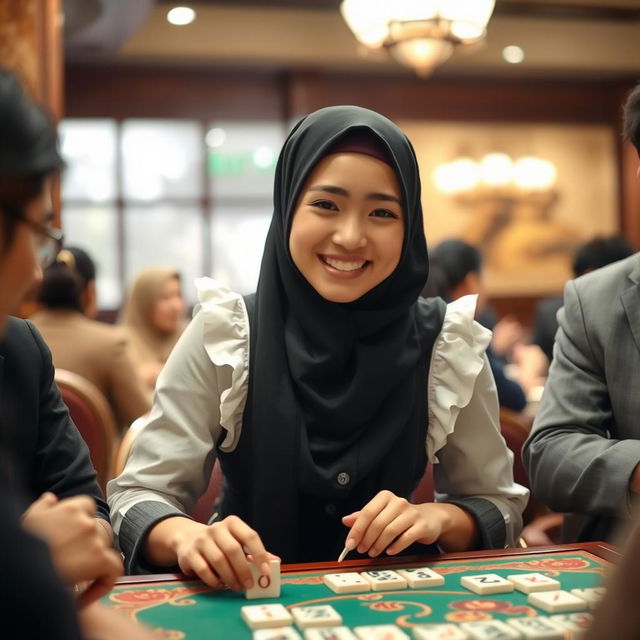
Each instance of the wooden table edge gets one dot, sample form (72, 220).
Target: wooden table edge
(600, 549)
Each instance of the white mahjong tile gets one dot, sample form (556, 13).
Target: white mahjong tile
(592, 595)
(384, 580)
(263, 616)
(576, 625)
(281, 633)
(323, 615)
(557, 601)
(531, 582)
(540, 628)
(329, 633)
(486, 583)
(264, 586)
(439, 632)
(489, 630)
(380, 632)
(350, 582)
(421, 577)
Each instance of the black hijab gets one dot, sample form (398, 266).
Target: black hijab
(335, 388)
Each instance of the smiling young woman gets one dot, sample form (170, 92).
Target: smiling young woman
(346, 239)
(326, 393)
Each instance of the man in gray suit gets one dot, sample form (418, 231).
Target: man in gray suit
(583, 453)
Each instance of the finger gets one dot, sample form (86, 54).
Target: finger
(365, 517)
(47, 498)
(411, 535)
(196, 564)
(221, 558)
(85, 504)
(95, 591)
(349, 519)
(384, 519)
(393, 530)
(250, 539)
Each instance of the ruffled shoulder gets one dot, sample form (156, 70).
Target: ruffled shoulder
(456, 362)
(226, 341)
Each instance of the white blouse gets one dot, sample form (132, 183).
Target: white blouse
(201, 393)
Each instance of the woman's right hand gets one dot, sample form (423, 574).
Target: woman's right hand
(215, 553)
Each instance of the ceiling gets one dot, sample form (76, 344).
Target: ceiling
(559, 38)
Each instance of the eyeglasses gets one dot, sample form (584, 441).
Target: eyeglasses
(47, 240)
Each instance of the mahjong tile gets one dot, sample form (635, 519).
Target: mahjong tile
(532, 582)
(384, 580)
(592, 595)
(329, 633)
(489, 630)
(576, 625)
(263, 616)
(486, 583)
(264, 586)
(281, 633)
(380, 632)
(421, 577)
(439, 632)
(316, 616)
(557, 601)
(540, 628)
(350, 582)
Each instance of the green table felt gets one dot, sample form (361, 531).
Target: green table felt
(183, 609)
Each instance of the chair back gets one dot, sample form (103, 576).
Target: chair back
(124, 448)
(94, 419)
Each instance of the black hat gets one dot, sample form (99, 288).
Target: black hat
(28, 141)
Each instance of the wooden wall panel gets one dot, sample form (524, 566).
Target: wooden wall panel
(171, 93)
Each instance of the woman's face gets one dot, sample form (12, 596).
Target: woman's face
(169, 308)
(19, 265)
(348, 226)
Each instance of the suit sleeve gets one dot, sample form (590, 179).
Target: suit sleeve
(63, 465)
(574, 465)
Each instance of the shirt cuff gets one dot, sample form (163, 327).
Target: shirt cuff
(138, 521)
(490, 521)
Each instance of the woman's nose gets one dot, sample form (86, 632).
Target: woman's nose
(350, 234)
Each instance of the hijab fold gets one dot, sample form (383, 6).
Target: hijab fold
(334, 387)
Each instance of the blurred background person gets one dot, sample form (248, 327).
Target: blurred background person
(154, 317)
(596, 253)
(93, 350)
(458, 272)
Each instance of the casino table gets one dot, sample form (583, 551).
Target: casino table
(181, 608)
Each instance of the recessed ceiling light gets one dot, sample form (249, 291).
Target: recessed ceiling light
(513, 54)
(181, 15)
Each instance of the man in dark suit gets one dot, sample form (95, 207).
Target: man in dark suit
(583, 453)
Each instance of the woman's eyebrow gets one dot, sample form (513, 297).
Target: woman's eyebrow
(329, 188)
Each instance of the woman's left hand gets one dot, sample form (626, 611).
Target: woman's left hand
(389, 523)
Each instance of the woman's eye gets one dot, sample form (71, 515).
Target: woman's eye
(324, 204)
(384, 213)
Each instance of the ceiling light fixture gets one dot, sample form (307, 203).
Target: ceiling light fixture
(418, 33)
(181, 16)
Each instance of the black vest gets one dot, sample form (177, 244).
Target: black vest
(321, 507)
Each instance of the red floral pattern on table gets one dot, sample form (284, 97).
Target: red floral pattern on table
(467, 616)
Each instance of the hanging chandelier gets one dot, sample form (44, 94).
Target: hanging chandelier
(418, 33)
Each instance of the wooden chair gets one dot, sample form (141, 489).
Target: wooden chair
(203, 509)
(94, 419)
(542, 526)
